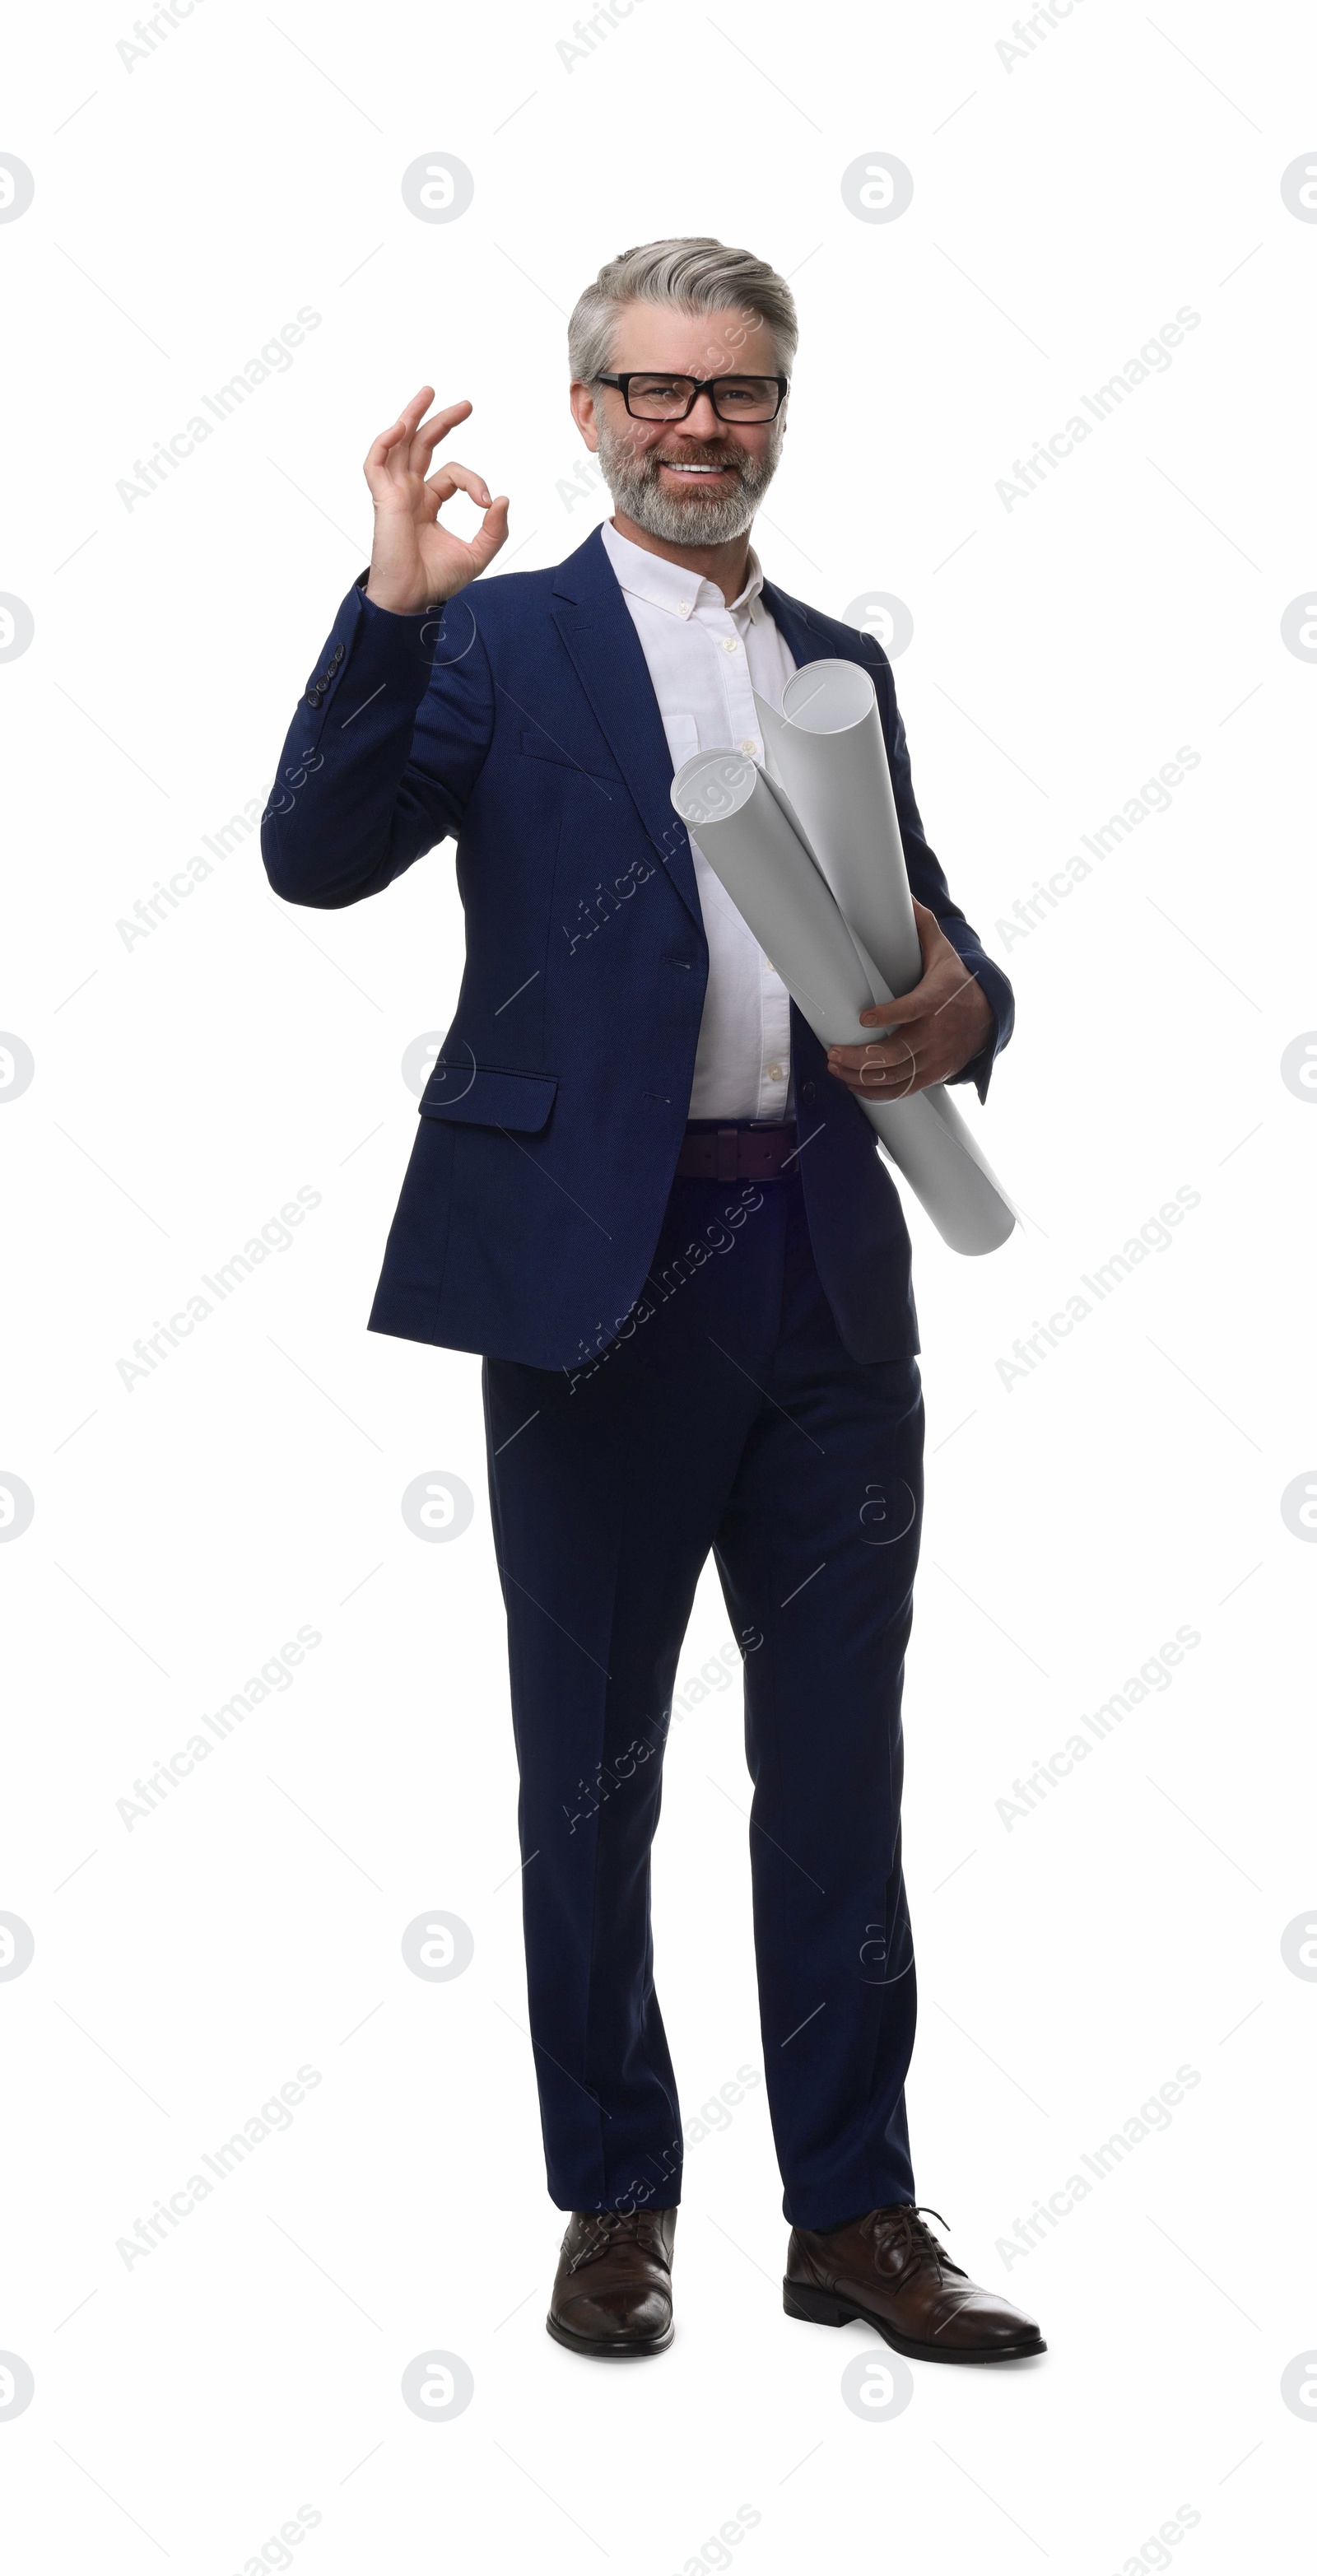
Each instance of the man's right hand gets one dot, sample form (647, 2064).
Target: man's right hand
(415, 563)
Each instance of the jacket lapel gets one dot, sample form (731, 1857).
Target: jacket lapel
(596, 627)
(805, 641)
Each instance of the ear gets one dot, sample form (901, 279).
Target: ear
(583, 413)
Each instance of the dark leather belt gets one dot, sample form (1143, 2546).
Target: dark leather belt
(737, 1153)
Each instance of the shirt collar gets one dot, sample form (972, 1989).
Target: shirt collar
(670, 585)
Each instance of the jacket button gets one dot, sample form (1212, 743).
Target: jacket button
(807, 1090)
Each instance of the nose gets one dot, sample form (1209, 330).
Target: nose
(703, 421)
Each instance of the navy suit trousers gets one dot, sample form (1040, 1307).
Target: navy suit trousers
(728, 1416)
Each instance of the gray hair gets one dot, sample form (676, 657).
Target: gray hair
(697, 274)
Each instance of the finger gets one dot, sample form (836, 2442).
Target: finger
(873, 1066)
(424, 436)
(943, 984)
(928, 926)
(382, 476)
(902, 1006)
(491, 533)
(915, 1081)
(934, 949)
(905, 1006)
(874, 1070)
(402, 427)
(887, 1082)
(417, 408)
(375, 463)
(453, 477)
(914, 1040)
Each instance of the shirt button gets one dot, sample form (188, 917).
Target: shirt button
(750, 743)
(684, 607)
(774, 1072)
(729, 643)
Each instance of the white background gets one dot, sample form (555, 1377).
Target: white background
(1065, 206)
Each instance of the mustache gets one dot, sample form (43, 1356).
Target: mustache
(698, 455)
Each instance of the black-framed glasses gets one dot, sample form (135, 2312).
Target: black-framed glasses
(651, 396)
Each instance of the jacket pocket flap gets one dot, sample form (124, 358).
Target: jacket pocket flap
(541, 746)
(488, 1095)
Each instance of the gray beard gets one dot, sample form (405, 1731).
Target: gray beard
(694, 518)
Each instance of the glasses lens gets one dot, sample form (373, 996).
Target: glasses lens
(660, 397)
(745, 397)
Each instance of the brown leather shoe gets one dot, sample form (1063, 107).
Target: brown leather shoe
(888, 2270)
(613, 2294)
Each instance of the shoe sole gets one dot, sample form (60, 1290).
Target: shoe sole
(596, 2351)
(823, 2308)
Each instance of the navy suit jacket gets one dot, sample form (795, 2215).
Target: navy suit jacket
(521, 719)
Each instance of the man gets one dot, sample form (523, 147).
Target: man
(645, 1193)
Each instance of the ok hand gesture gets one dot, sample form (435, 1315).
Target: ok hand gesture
(415, 562)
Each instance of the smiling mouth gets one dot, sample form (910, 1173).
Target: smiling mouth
(696, 473)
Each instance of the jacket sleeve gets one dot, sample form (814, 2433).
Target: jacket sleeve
(929, 885)
(383, 751)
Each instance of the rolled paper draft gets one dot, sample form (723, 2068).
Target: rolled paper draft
(753, 842)
(827, 749)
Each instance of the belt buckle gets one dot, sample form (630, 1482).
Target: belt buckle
(727, 1143)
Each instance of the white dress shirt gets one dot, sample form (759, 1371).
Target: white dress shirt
(706, 662)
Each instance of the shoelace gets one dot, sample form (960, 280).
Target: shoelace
(614, 2226)
(918, 2245)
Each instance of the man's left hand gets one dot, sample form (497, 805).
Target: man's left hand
(944, 1022)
